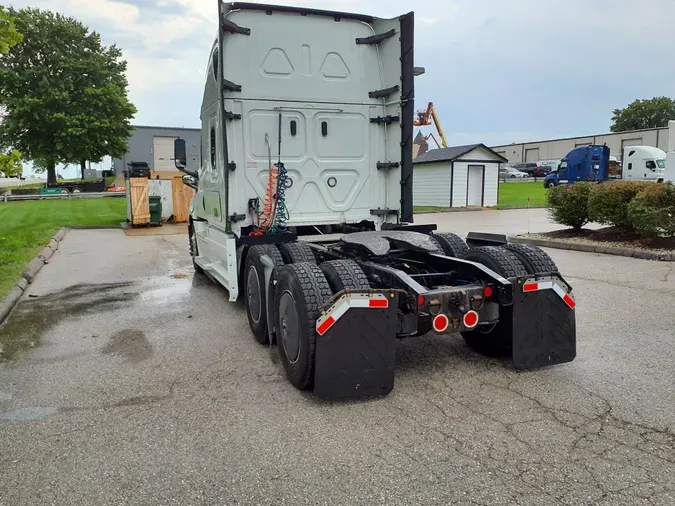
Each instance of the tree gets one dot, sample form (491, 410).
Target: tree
(9, 37)
(100, 120)
(64, 93)
(10, 163)
(641, 114)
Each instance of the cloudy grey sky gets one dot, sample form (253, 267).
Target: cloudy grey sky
(498, 71)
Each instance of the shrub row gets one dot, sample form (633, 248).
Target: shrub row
(631, 206)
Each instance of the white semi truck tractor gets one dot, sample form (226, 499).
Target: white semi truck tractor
(304, 208)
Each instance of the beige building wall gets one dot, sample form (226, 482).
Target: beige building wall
(558, 148)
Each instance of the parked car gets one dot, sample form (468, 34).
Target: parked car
(533, 169)
(511, 173)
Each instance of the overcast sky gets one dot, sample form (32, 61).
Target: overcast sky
(498, 71)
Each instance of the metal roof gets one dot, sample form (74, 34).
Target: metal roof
(452, 153)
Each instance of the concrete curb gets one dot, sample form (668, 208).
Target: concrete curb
(10, 300)
(46, 254)
(592, 248)
(33, 268)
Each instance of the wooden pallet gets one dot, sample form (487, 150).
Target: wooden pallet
(182, 196)
(140, 202)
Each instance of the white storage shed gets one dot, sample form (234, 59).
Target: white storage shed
(459, 176)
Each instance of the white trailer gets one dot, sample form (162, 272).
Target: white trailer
(307, 130)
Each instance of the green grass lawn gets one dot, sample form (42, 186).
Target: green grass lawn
(26, 227)
(510, 195)
(516, 195)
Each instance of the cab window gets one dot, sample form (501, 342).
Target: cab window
(651, 164)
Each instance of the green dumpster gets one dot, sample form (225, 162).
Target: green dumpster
(156, 210)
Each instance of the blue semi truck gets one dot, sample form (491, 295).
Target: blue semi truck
(592, 163)
(585, 163)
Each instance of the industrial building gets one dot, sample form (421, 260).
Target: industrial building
(459, 176)
(557, 148)
(154, 145)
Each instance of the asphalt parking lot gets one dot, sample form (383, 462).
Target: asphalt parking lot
(127, 380)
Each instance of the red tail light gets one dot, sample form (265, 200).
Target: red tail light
(441, 323)
(471, 319)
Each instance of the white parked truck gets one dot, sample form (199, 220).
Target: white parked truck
(643, 163)
(304, 205)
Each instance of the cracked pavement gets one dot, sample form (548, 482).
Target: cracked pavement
(128, 380)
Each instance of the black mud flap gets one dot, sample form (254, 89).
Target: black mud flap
(544, 326)
(355, 356)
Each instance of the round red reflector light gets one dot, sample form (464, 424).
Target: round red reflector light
(470, 319)
(441, 323)
(488, 291)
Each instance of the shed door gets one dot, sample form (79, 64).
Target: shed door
(532, 155)
(163, 154)
(475, 186)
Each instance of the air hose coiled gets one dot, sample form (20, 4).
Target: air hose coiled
(281, 213)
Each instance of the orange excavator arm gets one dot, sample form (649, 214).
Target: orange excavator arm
(425, 118)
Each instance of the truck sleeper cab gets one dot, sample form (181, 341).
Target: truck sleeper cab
(643, 163)
(307, 124)
(585, 163)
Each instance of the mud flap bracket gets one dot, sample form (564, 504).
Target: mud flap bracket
(356, 347)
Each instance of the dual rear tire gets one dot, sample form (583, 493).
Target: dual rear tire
(301, 289)
(511, 260)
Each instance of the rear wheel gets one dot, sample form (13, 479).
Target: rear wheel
(300, 291)
(344, 275)
(254, 283)
(452, 244)
(533, 258)
(297, 252)
(495, 340)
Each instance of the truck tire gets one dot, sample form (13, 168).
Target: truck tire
(297, 252)
(194, 249)
(452, 244)
(344, 275)
(437, 246)
(254, 288)
(500, 260)
(550, 184)
(300, 291)
(535, 259)
(495, 341)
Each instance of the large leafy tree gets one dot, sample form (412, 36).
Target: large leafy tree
(9, 37)
(100, 120)
(64, 93)
(640, 114)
